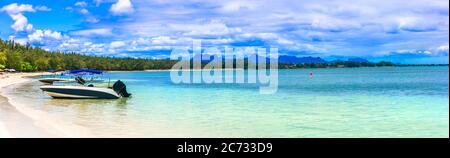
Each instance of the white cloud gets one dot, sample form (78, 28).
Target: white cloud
(122, 7)
(269, 37)
(40, 35)
(117, 44)
(22, 41)
(442, 48)
(236, 5)
(42, 8)
(219, 41)
(285, 41)
(81, 7)
(92, 19)
(98, 2)
(414, 23)
(81, 4)
(45, 37)
(17, 9)
(69, 8)
(162, 40)
(84, 11)
(334, 24)
(211, 28)
(20, 23)
(343, 27)
(70, 45)
(93, 32)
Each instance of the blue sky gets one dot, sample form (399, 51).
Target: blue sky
(414, 31)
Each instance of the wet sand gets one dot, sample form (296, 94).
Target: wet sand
(13, 123)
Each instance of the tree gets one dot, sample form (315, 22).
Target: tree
(29, 58)
(14, 60)
(2, 59)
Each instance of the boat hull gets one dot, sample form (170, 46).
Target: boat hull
(51, 80)
(79, 92)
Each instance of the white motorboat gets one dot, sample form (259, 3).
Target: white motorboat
(86, 92)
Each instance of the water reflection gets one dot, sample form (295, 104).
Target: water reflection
(86, 103)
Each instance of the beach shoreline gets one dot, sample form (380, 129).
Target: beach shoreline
(13, 121)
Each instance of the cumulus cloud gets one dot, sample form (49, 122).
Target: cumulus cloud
(324, 27)
(333, 24)
(84, 11)
(342, 27)
(92, 19)
(236, 5)
(20, 23)
(98, 2)
(117, 44)
(93, 32)
(22, 41)
(82, 8)
(14, 8)
(15, 11)
(122, 7)
(437, 51)
(81, 4)
(162, 40)
(25, 33)
(443, 48)
(214, 28)
(440, 50)
(43, 8)
(40, 35)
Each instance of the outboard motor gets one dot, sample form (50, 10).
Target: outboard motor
(120, 88)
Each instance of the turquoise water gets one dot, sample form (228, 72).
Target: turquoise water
(346, 102)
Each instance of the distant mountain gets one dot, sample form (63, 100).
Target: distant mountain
(285, 59)
(358, 60)
(337, 58)
(206, 57)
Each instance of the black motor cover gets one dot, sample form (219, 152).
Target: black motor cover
(120, 88)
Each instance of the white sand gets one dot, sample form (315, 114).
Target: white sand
(17, 120)
(4, 133)
(7, 79)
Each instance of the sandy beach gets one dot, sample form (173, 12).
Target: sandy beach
(14, 123)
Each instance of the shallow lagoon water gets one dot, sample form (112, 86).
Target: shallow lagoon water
(346, 102)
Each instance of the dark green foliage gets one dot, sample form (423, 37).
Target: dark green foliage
(337, 64)
(27, 58)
